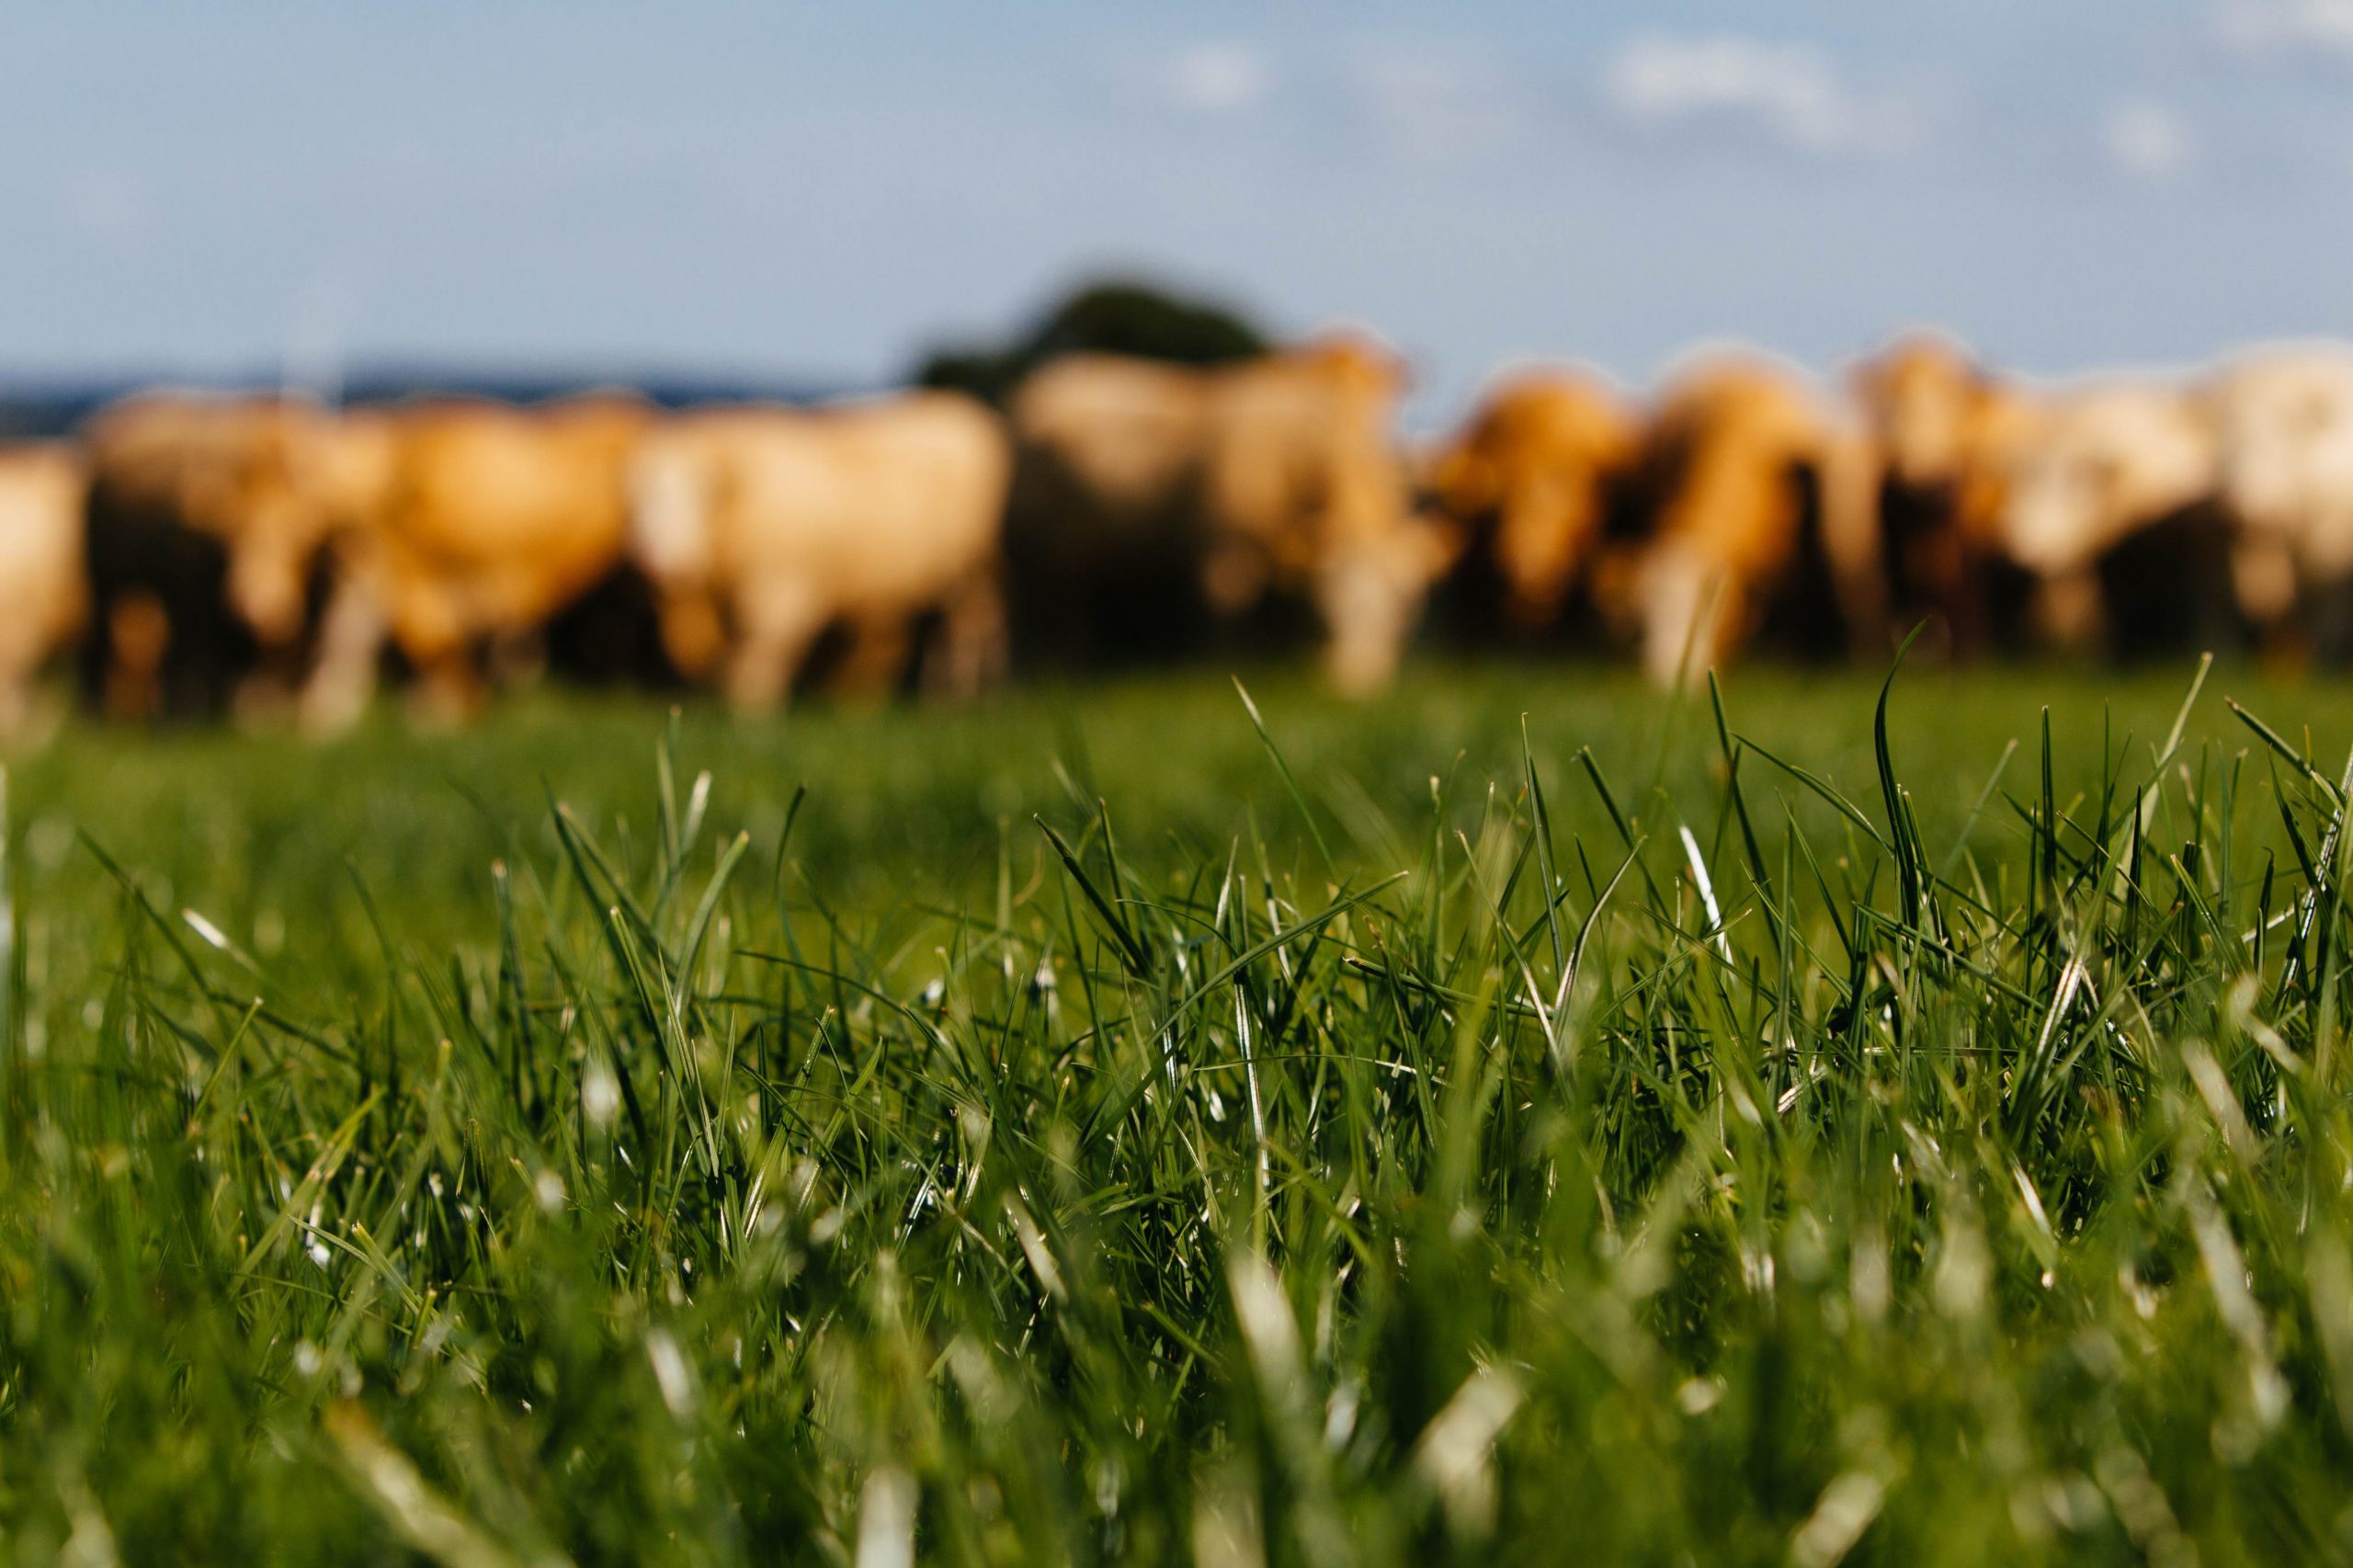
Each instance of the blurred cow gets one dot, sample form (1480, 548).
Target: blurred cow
(2284, 425)
(759, 527)
(492, 521)
(1944, 430)
(2111, 502)
(1760, 526)
(42, 491)
(209, 517)
(1526, 489)
(1154, 502)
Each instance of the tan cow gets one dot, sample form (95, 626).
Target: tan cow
(2111, 502)
(1154, 499)
(42, 487)
(493, 519)
(2284, 424)
(1760, 521)
(1945, 431)
(759, 527)
(208, 521)
(1527, 485)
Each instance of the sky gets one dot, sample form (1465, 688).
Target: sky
(824, 191)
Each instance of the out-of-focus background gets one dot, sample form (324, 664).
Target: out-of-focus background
(445, 346)
(812, 195)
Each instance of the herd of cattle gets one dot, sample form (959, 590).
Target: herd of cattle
(208, 553)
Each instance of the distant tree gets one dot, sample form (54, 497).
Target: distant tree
(1111, 317)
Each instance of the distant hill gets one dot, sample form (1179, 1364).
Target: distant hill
(1118, 316)
(1115, 316)
(54, 406)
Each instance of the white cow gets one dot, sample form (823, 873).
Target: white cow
(760, 527)
(2100, 470)
(2284, 420)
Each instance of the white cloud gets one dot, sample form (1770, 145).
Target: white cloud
(2147, 140)
(1218, 78)
(2282, 27)
(1437, 104)
(1790, 91)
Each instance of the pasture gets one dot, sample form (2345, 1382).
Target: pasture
(1525, 1116)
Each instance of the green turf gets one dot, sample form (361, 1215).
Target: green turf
(1106, 1132)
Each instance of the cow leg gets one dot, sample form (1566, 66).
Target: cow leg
(693, 632)
(971, 653)
(435, 626)
(260, 698)
(15, 699)
(351, 644)
(777, 628)
(516, 658)
(2264, 582)
(1847, 498)
(24, 716)
(1368, 606)
(1685, 616)
(2067, 612)
(448, 689)
(139, 635)
(1233, 577)
(2263, 576)
(877, 655)
(2328, 616)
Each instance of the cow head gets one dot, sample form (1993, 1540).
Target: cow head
(268, 492)
(670, 528)
(1923, 397)
(1530, 483)
(1360, 365)
(1370, 593)
(669, 516)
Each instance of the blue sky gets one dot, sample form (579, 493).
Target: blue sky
(821, 190)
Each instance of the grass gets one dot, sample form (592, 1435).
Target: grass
(1129, 1124)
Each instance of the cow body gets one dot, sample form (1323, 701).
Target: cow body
(1527, 489)
(42, 491)
(1760, 526)
(760, 527)
(490, 522)
(2284, 426)
(1944, 431)
(2111, 503)
(209, 517)
(1155, 504)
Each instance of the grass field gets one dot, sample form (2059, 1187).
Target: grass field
(1525, 1120)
